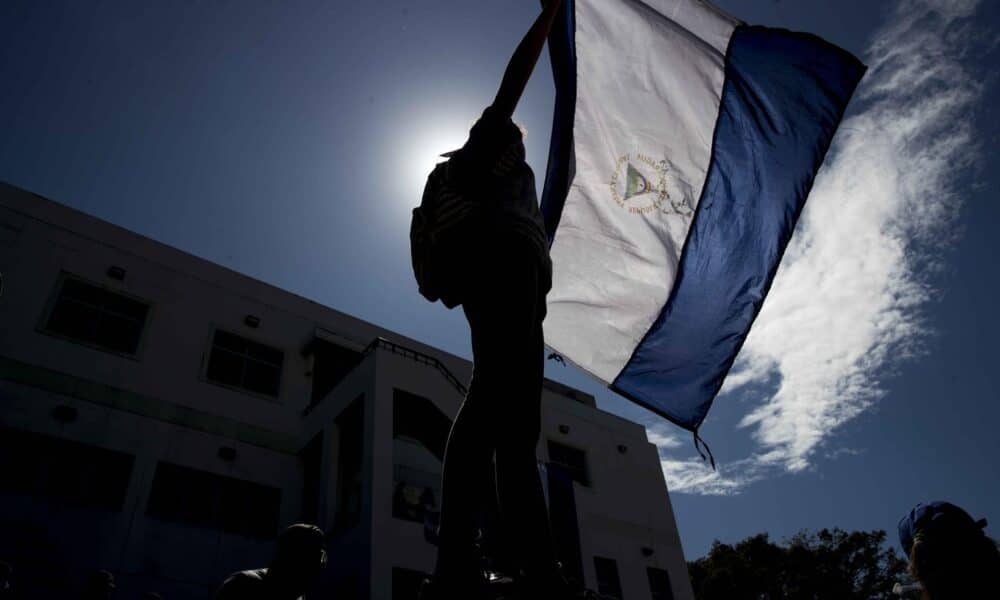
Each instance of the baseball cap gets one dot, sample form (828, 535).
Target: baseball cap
(935, 517)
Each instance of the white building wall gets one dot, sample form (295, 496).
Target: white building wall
(158, 407)
(625, 508)
(166, 556)
(405, 545)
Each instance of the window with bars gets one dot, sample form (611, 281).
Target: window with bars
(238, 362)
(97, 317)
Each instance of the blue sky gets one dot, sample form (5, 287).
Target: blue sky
(289, 141)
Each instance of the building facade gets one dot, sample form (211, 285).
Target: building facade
(162, 417)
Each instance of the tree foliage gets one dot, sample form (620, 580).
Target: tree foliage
(829, 564)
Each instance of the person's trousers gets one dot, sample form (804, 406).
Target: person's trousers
(499, 418)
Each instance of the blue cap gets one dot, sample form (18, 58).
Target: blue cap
(935, 517)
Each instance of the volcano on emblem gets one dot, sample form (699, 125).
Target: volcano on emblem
(639, 183)
(636, 183)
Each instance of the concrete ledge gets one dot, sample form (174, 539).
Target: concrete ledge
(55, 382)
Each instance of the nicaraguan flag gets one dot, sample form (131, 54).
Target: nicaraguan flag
(684, 146)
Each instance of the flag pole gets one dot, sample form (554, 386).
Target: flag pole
(522, 63)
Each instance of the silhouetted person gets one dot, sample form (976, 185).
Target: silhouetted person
(504, 303)
(482, 243)
(298, 559)
(949, 554)
(99, 586)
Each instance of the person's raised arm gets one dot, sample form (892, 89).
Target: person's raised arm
(522, 63)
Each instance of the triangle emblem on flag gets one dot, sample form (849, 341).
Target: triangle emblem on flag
(636, 183)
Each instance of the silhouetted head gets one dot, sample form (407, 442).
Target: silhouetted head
(491, 138)
(100, 586)
(949, 554)
(299, 557)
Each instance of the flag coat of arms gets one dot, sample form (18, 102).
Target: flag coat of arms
(684, 146)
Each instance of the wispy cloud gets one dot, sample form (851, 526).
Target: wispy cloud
(663, 436)
(848, 301)
(692, 475)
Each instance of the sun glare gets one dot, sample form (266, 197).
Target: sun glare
(424, 150)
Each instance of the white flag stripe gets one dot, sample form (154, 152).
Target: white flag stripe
(710, 23)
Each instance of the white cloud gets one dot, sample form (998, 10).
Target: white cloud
(847, 302)
(663, 436)
(694, 475)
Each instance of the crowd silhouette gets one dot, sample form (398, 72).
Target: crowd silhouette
(949, 557)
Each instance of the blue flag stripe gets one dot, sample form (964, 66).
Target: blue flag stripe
(783, 98)
(559, 173)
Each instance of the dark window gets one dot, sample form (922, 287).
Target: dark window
(350, 427)
(70, 472)
(420, 433)
(246, 364)
(607, 577)
(97, 317)
(659, 584)
(417, 418)
(563, 520)
(202, 499)
(572, 460)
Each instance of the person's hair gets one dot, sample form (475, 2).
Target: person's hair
(298, 543)
(954, 563)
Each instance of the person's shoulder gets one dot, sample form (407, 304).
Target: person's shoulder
(240, 583)
(436, 179)
(440, 171)
(250, 576)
